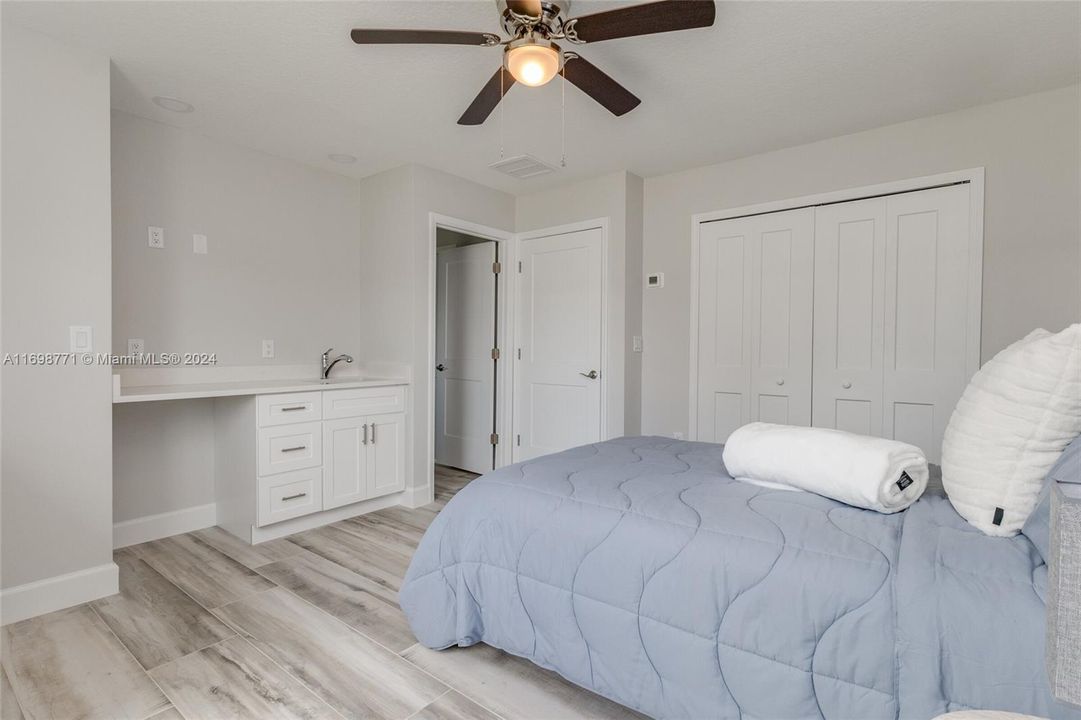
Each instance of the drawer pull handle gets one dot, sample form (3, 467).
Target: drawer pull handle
(373, 433)
(294, 449)
(365, 433)
(294, 497)
(291, 408)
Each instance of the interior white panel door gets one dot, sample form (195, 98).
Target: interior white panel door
(755, 289)
(849, 307)
(465, 370)
(724, 343)
(926, 313)
(558, 398)
(782, 316)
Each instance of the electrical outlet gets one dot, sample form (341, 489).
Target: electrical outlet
(198, 244)
(268, 349)
(81, 338)
(636, 343)
(155, 237)
(136, 346)
(677, 435)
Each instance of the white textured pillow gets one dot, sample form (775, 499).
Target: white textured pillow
(1017, 414)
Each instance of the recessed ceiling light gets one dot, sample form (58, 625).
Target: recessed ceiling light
(342, 158)
(172, 104)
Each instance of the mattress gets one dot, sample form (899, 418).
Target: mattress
(639, 569)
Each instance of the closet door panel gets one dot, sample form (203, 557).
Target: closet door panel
(849, 302)
(781, 317)
(723, 331)
(926, 328)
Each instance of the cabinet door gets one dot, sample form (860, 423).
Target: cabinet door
(345, 457)
(386, 454)
(849, 308)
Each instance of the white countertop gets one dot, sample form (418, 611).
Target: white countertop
(187, 391)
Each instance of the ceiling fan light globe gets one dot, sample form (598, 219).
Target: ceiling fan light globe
(533, 64)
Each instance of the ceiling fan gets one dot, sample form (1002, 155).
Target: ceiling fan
(532, 57)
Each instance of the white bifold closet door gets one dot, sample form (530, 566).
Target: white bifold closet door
(755, 293)
(891, 314)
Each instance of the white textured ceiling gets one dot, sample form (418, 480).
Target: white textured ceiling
(284, 77)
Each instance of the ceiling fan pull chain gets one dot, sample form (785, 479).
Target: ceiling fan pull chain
(563, 118)
(502, 92)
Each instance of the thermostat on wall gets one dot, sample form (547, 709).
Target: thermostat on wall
(655, 280)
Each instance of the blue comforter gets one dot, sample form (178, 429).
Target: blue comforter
(639, 569)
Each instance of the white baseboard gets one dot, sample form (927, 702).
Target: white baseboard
(155, 527)
(416, 497)
(56, 593)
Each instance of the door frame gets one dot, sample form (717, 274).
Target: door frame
(595, 224)
(974, 177)
(506, 252)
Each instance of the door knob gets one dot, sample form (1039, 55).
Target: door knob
(592, 375)
(440, 367)
(846, 385)
(780, 381)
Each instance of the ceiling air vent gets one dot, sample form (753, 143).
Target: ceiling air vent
(522, 167)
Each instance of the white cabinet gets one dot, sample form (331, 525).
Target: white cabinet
(348, 446)
(860, 315)
(363, 457)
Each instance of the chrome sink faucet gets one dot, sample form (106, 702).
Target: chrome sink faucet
(328, 364)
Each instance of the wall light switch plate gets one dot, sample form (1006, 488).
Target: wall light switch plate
(655, 280)
(82, 338)
(268, 349)
(136, 346)
(636, 343)
(155, 237)
(198, 244)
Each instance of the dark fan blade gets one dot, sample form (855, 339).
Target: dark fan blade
(486, 100)
(655, 17)
(532, 8)
(431, 37)
(595, 83)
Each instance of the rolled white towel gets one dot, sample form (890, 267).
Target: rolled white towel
(868, 472)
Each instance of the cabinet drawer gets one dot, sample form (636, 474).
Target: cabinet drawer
(363, 401)
(289, 495)
(289, 408)
(290, 447)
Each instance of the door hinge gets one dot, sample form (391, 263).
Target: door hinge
(494, 438)
(495, 353)
(497, 267)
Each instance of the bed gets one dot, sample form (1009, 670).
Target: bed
(639, 569)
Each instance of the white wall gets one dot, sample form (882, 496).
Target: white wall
(617, 197)
(1032, 228)
(283, 255)
(283, 263)
(396, 248)
(57, 454)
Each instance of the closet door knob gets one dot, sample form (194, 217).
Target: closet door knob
(780, 381)
(846, 384)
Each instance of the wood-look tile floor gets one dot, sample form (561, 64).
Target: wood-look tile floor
(206, 627)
